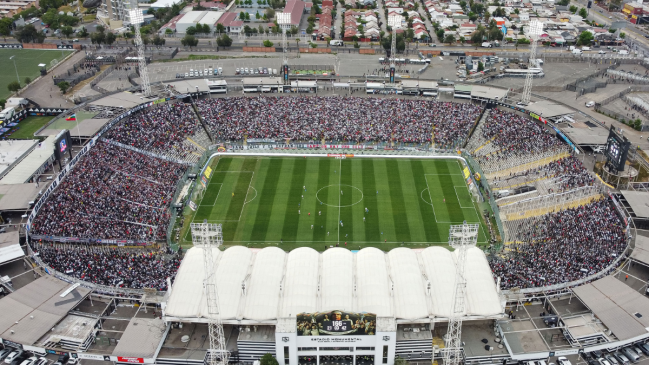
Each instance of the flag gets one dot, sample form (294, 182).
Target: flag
(72, 117)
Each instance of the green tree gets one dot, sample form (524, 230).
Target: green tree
(110, 38)
(480, 67)
(400, 361)
(356, 45)
(268, 359)
(224, 41)
(189, 41)
(168, 31)
(3, 102)
(67, 31)
(583, 13)
(159, 41)
(29, 33)
(294, 30)
(100, 28)
(257, 16)
(462, 40)
(268, 43)
(64, 86)
(314, 45)
(473, 16)
(98, 37)
(13, 86)
(450, 39)
(83, 33)
(220, 28)
(622, 35)
(585, 38)
(270, 13)
(478, 36)
(190, 30)
(573, 9)
(5, 26)
(27, 80)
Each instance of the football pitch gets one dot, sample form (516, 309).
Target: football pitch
(322, 201)
(27, 61)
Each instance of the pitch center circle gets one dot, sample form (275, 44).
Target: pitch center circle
(341, 190)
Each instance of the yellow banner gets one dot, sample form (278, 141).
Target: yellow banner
(466, 173)
(208, 172)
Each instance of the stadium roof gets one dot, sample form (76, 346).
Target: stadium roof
(125, 100)
(18, 196)
(623, 310)
(263, 285)
(10, 247)
(641, 251)
(639, 202)
(32, 311)
(13, 151)
(142, 338)
(549, 108)
(26, 168)
(84, 129)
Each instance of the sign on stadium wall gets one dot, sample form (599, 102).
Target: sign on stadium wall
(130, 360)
(336, 323)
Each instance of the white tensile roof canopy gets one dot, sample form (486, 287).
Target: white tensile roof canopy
(267, 284)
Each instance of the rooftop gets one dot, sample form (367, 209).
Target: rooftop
(26, 168)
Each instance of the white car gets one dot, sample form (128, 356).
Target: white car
(40, 361)
(590, 104)
(562, 360)
(29, 361)
(186, 74)
(602, 52)
(205, 72)
(12, 356)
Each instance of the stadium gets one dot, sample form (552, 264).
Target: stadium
(325, 229)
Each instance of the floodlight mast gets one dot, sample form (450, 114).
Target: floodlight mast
(536, 28)
(394, 22)
(209, 236)
(137, 18)
(284, 19)
(461, 238)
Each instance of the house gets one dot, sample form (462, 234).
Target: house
(296, 9)
(468, 27)
(421, 33)
(499, 21)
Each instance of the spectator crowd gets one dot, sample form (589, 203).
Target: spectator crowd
(339, 119)
(561, 247)
(112, 193)
(112, 267)
(162, 129)
(515, 136)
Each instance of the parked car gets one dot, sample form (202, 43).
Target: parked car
(590, 104)
(5, 352)
(621, 358)
(18, 360)
(631, 354)
(644, 348)
(13, 356)
(562, 360)
(602, 52)
(29, 361)
(40, 361)
(612, 359)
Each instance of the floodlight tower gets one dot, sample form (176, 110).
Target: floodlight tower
(536, 28)
(284, 19)
(461, 238)
(137, 18)
(209, 236)
(394, 22)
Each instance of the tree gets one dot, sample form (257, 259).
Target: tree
(473, 16)
(573, 9)
(224, 41)
(27, 80)
(478, 36)
(583, 13)
(400, 361)
(242, 15)
(257, 16)
(480, 67)
(5, 26)
(450, 39)
(462, 40)
(29, 33)
(64, 86)
(98, 37)
(220, 28)
(268, 359)
(268, 43)
(270, 13)
(486, 16)
(356, 45)
(189, 41)
(314, 45)
(585, 38)
(622, 35)
(294, 30)
(159, 41)
(3, 102)
(191, 30)
(83, 33)
(110, 38)
(67, 31)
(13, 86)
(100, 28)
(410, 34)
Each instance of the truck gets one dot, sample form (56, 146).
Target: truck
(7, 113)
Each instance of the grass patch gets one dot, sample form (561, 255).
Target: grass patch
(29, 126)
(27, 61)
(262, 201)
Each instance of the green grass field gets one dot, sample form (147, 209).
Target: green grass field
(28, 126)
(261, 201)
(27, 61)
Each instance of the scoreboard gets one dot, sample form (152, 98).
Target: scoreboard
(617, 150)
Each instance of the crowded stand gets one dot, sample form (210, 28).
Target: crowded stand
(161, 129)
(566, 173)
(112, 193)
(561, 247)
(112, 267)
(339, 119)
(515, 136)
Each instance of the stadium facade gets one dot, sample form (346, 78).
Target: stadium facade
(335, 303)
